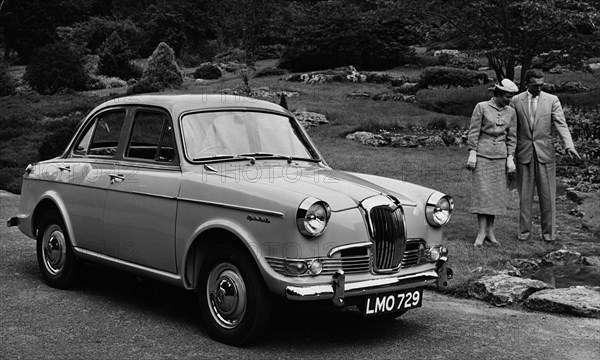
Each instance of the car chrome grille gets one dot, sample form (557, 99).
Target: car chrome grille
(414, 253)
(389, 238)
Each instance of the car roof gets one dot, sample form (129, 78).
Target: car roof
(179, 103)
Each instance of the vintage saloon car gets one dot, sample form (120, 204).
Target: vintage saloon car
(228, 196)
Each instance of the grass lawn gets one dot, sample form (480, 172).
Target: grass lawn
(25, 122)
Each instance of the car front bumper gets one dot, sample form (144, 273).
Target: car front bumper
(13, 221)
(339, 289)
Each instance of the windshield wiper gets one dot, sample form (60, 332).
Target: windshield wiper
(215, 158)
(286, 157)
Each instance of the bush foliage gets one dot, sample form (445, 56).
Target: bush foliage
(449, 76)
(161, 71)
(115, 58)
(270, 71)
(7, 82)
(56, 67)
(208, 72)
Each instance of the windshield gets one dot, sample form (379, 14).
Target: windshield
(232, 133)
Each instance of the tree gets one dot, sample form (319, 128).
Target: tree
(366, 34)
(55, 67)
(511, 32)
(162, 71)
(93, 32)
(115, 58)
(31, 24)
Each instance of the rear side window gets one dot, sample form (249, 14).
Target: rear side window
(102, 137)
(151, 137)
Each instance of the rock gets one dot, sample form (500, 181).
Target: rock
(435, 140)
(549, 87)
(573, 87)
(408, 88)
(367, 138)
(576, 300)
(511, 270)
(575, 196)
(404, 141)
(502, 290)
(309, 119)
(576, 213)
(527, 264)
(591, 261)
(556, 70)
(364, 95)
(562, 257)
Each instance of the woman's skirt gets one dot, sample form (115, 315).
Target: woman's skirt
(489, 189)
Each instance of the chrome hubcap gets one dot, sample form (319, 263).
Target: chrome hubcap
(54, 247)
(226, 294)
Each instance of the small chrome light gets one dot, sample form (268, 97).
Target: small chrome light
(296, 268)
(434, 253)
(316, 267)
(312, 217)
(438, 209)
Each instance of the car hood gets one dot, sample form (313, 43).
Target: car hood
(341, 190)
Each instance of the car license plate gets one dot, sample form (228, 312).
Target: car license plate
(393, 302)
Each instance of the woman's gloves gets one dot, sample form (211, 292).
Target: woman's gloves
(472, 160)
(510, 164)
(510, 167)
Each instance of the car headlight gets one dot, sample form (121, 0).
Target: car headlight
(438, 209)
(312, 217)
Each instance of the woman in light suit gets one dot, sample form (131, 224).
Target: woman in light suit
(492, 140)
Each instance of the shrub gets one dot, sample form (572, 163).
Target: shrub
(383, 78)
(207, 72)
(60, 131)
(270, 71)
(463, 62)
(90, 64)
(270, 51)
(56, 67)
(141, 87)
(161, 71)
(56, 142)
(231, 55)
(115, 58)
(7, 82)
(438, 123)
(448, 76)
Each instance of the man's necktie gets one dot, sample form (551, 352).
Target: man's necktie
(532, 110)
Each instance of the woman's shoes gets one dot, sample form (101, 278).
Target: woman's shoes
(479, 241)
(493, 241)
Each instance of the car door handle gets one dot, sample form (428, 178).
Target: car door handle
(64, 168)
(114, 178)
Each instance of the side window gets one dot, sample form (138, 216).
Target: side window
(151, 137)
(102, 138)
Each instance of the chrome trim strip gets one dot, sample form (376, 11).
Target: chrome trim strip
(118, 163)
(349, 246)
(235, 207)
(359, 288)
(106, 258)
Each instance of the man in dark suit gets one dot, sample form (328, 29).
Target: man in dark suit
(535, 154)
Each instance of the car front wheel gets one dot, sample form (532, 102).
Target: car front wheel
(234, 301)
(56, 261)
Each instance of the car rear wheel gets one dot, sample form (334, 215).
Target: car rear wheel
(234, 301)
(56, 261)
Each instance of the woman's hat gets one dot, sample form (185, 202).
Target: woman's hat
(508, 86)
